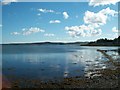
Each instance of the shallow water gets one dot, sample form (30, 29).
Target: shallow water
(49, 62)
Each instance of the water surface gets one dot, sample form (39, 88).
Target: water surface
(49, 62)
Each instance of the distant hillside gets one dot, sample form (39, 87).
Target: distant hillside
(49, 43)
(104, 42)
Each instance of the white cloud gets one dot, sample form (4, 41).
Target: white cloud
(46, 11)
(6, 2)
(31, 30)
(15, 33)
(115, 30)
(49, 35)
(108, 11)
(77, 31)
(55, 21)
(95, 18)
(92, 23)
(28, 31)
(65, 15)
(102, 2)
(99, 18)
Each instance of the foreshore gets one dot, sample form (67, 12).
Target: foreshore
(102, 78)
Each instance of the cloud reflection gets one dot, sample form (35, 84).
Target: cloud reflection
(32, 58)
(90, 59)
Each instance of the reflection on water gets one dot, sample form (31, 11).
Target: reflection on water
(56, 61)
(93, 69)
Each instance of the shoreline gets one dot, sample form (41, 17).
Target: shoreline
(102, 45)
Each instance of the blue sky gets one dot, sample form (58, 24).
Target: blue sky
(58, 21)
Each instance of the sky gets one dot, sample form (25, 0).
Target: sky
(58, 21)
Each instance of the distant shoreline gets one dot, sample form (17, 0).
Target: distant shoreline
(52, 43)
(61, 44)
(100, 42)
(104, 42)
(102, 45)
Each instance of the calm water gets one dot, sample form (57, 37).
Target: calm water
(49, 62)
